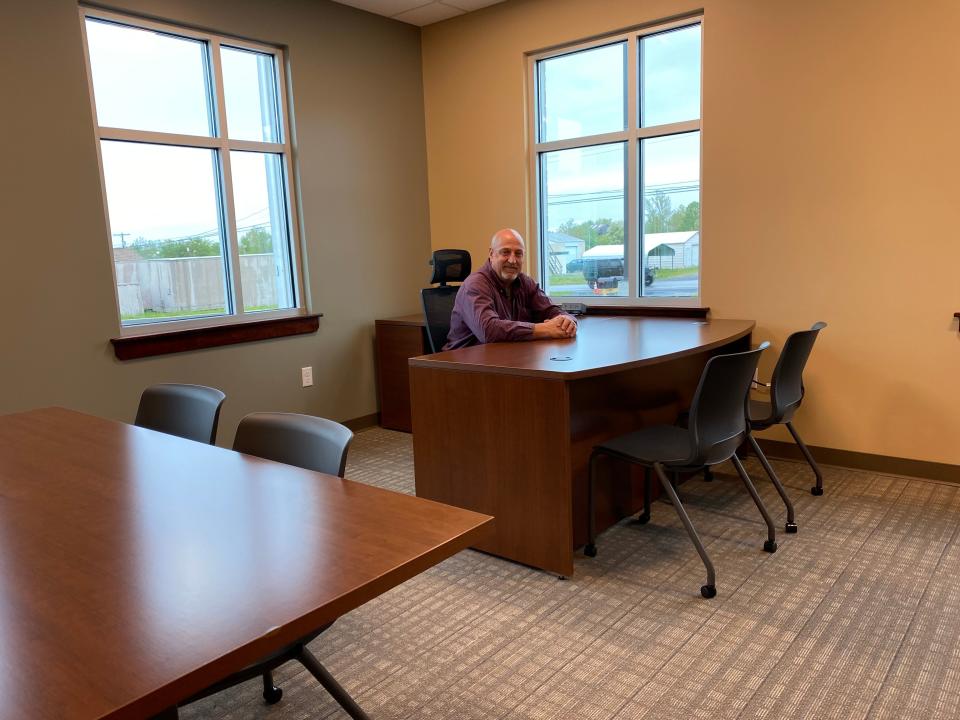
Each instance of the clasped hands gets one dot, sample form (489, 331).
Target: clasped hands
(561, 326)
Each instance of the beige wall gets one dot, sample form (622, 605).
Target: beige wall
(829, 185)
(360, 141)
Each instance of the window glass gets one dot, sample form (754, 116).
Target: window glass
(670, 76)
(259, 202)
(582, 93)
(671, 215)
(250, 87)
(165, 224)
(146, 80)
(583, 213)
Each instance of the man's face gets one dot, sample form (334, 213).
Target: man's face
(506, 257)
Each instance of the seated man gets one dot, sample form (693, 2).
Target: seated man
(499, 303)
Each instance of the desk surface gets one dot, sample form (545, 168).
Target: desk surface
(137, 568)
(602, 345)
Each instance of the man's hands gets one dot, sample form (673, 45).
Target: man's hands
(561, 326)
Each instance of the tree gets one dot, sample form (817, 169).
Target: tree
(197, 246)
(602, 231)
(256, 240)
(656, 213)
(686, 217)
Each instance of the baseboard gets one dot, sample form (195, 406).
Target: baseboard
(364, 422)
(864, 461)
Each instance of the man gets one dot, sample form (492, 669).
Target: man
(499, 303)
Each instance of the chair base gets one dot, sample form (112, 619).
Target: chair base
(708, 591)
(816, 490)
(791, 528)
(770, 546)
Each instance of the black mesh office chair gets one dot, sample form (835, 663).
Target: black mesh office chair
(315, 444)
(189, 411)
(448, 266)
(716, 426)
(786, 394)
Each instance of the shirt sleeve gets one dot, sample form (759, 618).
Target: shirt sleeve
(541, 307)
(481, 316)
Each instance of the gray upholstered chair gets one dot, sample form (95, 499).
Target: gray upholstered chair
(716, 426)
(312, 443)
(189, 411)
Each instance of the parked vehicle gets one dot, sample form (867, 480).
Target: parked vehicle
(602, 267)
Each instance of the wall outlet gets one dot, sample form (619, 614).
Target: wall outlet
(306, 376)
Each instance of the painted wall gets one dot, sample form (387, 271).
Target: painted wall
(358, 101)
(829, 159)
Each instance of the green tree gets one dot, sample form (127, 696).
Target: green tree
(656, 213)
(197, 246)
(603, 231)
(256, 240)
(685, 217)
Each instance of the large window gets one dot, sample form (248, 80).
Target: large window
(195, 159)
(616, 157)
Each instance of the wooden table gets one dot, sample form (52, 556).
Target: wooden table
(507, 428)
(137, 568)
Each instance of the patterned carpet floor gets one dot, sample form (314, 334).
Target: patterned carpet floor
(857, 616)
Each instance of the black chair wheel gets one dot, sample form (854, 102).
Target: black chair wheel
(590, 550)
(770, 546)
(708, 591)
(816, 490)
(642, 519)
(273, 695)
(791, 528)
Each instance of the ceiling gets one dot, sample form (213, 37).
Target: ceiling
(419, 12)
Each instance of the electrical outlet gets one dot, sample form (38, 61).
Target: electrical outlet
(306, 376)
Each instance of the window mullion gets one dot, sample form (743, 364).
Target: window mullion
(633, 255)
(232, 250)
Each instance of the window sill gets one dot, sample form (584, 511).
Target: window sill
(649, 310)
(174, 341)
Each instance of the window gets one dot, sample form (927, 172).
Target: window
(194, 149)
(616, 157)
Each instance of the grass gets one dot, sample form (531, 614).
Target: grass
(154, 315)
(675, 272)
(575, 279)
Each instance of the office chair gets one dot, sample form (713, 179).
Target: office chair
(786, 394)
(448, 266)
(316, 444)
(715, 428)
(189, 411)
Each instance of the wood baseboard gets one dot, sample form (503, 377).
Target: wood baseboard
(364, 422)
(864, 461)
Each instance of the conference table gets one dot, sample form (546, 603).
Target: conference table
(137, 569)
(507, 428)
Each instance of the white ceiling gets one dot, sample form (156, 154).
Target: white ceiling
(419, 12)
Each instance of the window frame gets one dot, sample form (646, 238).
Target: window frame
(222, 145)
(631, 136)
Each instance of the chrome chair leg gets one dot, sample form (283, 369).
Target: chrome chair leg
(818, 488)
(771, 544)
(791, 526)
(710, 589)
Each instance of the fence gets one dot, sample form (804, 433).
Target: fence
(188, 284)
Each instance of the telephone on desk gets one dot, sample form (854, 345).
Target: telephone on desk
(575, 309)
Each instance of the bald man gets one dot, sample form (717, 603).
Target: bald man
(498, 303)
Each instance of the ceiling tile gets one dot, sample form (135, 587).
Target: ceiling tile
(470, 5)
(434, 12)
(384, 7)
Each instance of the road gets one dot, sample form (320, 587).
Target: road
(664, 287)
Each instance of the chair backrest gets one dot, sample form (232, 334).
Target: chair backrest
(448, 266)
(313, 443)
(786, 384)
(718, 413)
(190, 411)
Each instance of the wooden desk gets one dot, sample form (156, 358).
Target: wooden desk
(398, 340)
(137, 568)
(507, 428)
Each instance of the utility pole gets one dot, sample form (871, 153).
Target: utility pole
(123, 238)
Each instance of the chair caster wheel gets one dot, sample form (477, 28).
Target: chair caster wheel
(816, 490)
(791, 528)
(770, 546)
(590, 550)
(642, 519)
(708, 591)
(273, 695)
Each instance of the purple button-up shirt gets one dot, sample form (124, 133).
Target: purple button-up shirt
(483, 313)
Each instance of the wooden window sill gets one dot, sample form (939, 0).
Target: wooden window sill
(174, 341)
(648, 311)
